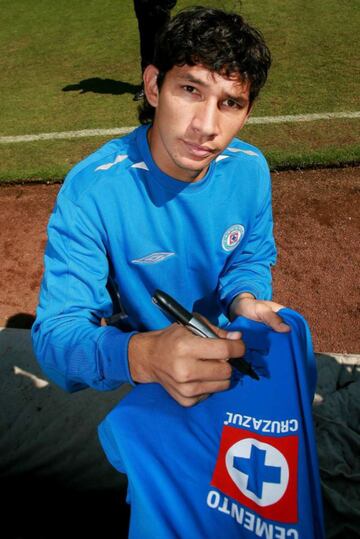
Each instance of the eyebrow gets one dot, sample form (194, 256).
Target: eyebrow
(190, 78)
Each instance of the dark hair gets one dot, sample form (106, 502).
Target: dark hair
(223, 42)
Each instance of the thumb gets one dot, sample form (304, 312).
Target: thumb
(233, 335)
(275, 322)
(221, 333)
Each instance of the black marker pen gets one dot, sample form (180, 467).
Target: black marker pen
(174, 310)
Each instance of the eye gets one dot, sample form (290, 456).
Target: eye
(232, 104)
(189, 89)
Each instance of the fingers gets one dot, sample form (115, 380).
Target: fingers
(194, 379)
(263, 311)
(189, 394)
(277, 324)
(272, 319)
(200, 370)
(187, 366)
(222, 333)
(216, 349)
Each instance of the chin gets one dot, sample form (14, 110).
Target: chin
(197, 163)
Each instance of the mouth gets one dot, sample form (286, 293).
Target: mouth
(199, 151)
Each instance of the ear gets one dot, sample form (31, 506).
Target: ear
(150, 84)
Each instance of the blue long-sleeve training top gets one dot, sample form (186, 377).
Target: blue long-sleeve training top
(119, 215)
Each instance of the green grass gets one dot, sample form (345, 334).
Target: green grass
(50, 51)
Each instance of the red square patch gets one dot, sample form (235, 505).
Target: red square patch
(260, 472)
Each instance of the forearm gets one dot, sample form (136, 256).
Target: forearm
(76, 353)
(253, 279)
(71, 346)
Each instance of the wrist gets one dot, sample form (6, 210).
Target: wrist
(238, 304)
(139, 351)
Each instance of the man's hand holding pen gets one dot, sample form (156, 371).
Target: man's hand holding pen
(189, 367)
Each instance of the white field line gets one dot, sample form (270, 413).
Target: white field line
(261, 120)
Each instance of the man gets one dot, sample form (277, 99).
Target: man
(178, 204)
(152, 16)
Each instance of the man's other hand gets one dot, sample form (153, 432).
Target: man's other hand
(260, 311)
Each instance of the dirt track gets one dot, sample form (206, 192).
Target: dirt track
(317, 225)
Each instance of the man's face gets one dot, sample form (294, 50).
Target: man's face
(197, 114)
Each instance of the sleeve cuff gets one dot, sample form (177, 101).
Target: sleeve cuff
(112, 357)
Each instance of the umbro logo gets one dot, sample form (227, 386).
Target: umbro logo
(153, 258)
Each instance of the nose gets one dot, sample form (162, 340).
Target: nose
(205, 119)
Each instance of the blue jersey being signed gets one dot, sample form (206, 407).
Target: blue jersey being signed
(241, 464)
(119, 216)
